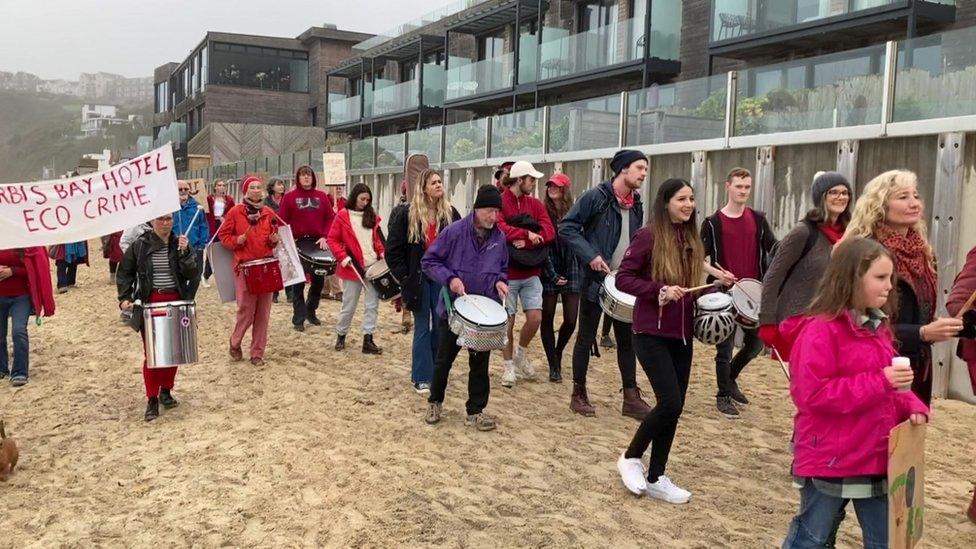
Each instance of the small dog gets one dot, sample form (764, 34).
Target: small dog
(8, 454)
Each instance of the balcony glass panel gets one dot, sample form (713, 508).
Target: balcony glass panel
(465, 141)
(665, 32)
(315, 159)
(362, 154)
(528, 70)
(465, 78)
(683, 111)
(584, 125)
(517, 134)
(936, 76)
(389, 151)
(395, 98)
(829, 91)
(741, 18)
(426, 141)
(344, 109)
(563, 54)
(434, 83)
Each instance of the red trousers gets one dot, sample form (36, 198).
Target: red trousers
(157, 378)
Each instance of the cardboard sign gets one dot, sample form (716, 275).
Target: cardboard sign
(287, 253)
(334, 167)
(198, 190)
(906, 485)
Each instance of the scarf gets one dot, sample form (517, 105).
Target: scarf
(912, 266)
(626, 202)
(832, 232)
(253, 211)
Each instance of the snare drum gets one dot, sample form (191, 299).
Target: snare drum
(480, 323)
(170, 333)
(617, 304)
(386, 285)
(715, 302)
(315, 260)
(262, 276)
(746, 298)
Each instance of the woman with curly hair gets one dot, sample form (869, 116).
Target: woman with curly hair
(891, 212)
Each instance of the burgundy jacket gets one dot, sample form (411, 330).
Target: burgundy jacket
(211, 218)
(962, 288)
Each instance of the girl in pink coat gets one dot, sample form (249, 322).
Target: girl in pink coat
(847, 397)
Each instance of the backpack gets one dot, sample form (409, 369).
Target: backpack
(812, 233)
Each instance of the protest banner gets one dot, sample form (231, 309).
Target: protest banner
(906, 485)
(334, 168)
(89, 206)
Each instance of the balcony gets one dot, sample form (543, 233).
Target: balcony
(343, 110)
(467, 79)
(562, 55)
(393, 98)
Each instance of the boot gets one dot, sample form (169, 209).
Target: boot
(166, 399)
(340, 343)
(634, 406)
(972, 509)
(580, 402)
(369, 347)
(152, 409)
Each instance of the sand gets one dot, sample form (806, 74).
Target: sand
(320, 448)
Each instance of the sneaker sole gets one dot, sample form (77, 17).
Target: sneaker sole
(479, 427)
(730, 416)
(671, 500)
(737, 403)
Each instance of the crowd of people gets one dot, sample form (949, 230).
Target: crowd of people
(849, 288)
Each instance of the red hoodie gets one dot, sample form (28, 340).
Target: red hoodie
(513, 206)
(309, 213)
(37, 271)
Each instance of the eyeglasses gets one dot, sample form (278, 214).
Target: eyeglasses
(184, 189)
(838, 193)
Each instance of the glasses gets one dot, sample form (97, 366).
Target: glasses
(184, 189)
(838, 194)
(164, 219)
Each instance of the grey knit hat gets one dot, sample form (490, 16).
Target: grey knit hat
(823, 182)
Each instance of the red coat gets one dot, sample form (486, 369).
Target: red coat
(112, 248)
(258, 244)
(342, 240)
(39, 280)
(513, 206)
(211, 218)
(962, 288)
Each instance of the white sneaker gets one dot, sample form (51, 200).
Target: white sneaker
(632, 473)
(666, 490)
(508, 376)
(523, 368)
(205, 284)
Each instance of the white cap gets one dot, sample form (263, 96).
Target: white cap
(522, 169)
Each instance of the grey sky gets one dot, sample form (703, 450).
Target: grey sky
(62, 38)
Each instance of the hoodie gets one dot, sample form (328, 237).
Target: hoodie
(308, 212)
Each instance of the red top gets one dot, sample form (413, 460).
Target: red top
(740, 248)
(513, 206)
(258, 243)
(308, 212)
(17, 284)
(342, 240)
(430, 233)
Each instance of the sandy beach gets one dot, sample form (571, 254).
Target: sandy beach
(322, 448)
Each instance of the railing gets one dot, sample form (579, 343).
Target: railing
(395, 98)
(562, 54)
(479, 77)
(347, 109)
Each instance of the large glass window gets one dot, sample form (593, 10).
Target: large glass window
(256, 67)
(491, 46)
(204, 69)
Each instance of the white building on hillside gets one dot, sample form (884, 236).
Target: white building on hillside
(96, 119)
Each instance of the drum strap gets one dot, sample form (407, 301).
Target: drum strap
(447, 301)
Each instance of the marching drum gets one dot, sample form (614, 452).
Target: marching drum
(315, 260)
(386, 285)
(480, 323)
(715, 302)
(170, 333)
(262, 276)
(746, 297)
(617, 304)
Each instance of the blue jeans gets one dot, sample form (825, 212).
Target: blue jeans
(18, 309)
(426, 332)
(820, 516)
(67, 273)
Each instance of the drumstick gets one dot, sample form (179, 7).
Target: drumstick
(782, 364)
(968, 305)
(359, 276)
(699, 288)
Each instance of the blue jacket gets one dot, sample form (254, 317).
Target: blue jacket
(200, 233)
(592, 228)
(457, 253)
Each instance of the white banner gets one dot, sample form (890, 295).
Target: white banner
(287, 254)
(89, 206)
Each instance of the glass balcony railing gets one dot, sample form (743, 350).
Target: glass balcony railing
(466, 141)
(665, 31)
(389, 151)
(583, 125)
(395, 98)
(684, 111)
(562, 54)
(361, 154)
(426, 141)
(345, 109)
(435, 80)
(517, 134)
(733, 19)
(465, 79)
(936, 77)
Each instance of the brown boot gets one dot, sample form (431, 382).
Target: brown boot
(634, 406)
(580, 402)
(369, 347)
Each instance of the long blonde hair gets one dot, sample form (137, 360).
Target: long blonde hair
(672, 263)
(423, 210)
(871, 208)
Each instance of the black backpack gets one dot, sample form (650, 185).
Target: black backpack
(812, 233)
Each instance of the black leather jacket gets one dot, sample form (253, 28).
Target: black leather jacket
(134, 276)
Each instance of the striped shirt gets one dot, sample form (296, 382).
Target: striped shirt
(163, 278)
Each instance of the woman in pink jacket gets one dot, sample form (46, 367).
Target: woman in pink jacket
(847, 397)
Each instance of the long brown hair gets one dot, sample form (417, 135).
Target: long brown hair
(369, 214)
(558, 211)
(678, 256)
(842, 280)
(422, 209)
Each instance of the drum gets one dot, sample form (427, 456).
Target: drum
(262, 276)
(170, 333)
(617, 304)
(315, 260)
(383, 281)
(746, 298)
(480, 323)
(715, 302)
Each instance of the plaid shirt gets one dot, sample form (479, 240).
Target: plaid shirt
(561, 262)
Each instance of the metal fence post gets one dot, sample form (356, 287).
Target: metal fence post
(624, 119)
(545, 129)
(731, 100)
(888, 91)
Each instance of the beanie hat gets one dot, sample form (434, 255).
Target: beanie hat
(247, 183)
(624, 159)
(488, 197)
(823, 182)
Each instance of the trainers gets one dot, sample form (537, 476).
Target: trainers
(422, 388)
(433, 413)
(665, 490)
(726, 407)
(523, 368)
(737, 396)
(607, 342)
(205, 284)
(632, 473)
(236, 353)
(482, 421)
(18, 381)
(508, 376)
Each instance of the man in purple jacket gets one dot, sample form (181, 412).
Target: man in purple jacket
(469, 257)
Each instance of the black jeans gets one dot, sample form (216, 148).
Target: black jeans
(589, 319)
(302, 309)
(478, 384)
(667, 362)
(194, 283)
(727, 371)
(67, 273)
(554, 348)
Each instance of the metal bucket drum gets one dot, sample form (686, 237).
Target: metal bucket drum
(713, 302)
(480, 323)
(746, 298)
(170, 333)
(262, 276)
(386, 285)
(315, 260)
(617, 304)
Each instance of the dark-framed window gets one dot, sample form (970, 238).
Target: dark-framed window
(491, 45)
(259, 67)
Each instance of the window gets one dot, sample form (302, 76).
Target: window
(263, 68)
(492, 45)
(355, 86)
(596, 14)
(434, 58)
(408, 71)
(204, 69)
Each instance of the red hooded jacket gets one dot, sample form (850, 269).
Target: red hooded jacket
(513, 206)
(258, 244)
(39, 280)
(342, 240)
(309, 213)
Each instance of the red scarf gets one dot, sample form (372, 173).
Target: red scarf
(832, 232)
(626, 202)
(912, 266)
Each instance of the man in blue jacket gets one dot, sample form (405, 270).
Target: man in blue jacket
(598, 229)
(199, 233)
(469, 257)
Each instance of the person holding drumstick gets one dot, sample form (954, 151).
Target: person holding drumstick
(250, 230)
(157, 267)
(737, 241)
(598, 229)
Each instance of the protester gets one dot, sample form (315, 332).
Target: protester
(274, 193)
(67, 257)
(189, 221)
(112, 251)
(963, 288)
(333, 284)
(501, 175)
(219, 204)
(561, 280)
(25, 289)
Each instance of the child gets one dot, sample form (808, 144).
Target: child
(847, 397)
